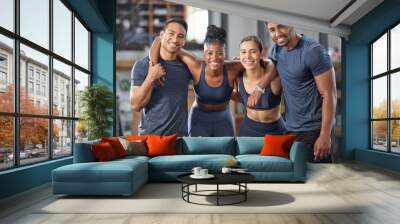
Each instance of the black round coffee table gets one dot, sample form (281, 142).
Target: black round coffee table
(238, 179)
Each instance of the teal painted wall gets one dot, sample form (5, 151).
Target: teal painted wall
(99, 15)
(24, 178)
(103, 54)
(103, 66)
(356, 82)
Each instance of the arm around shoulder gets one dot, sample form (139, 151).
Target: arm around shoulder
(190, 60)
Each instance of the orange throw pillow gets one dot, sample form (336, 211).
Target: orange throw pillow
(161, 145)
(116, 145)
(103, 151)
(277, 145)
(135, 137)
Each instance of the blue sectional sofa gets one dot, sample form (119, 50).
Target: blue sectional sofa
(125, 176)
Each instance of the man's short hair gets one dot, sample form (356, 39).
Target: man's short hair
(176, 20)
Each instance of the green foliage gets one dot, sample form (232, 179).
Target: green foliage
(96, 103)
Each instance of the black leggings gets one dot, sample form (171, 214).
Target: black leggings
(257, 129)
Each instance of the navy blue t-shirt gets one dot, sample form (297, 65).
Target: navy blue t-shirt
(166, 113)
(296, 68)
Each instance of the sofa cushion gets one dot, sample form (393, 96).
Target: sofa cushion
(208, 145)
(257, 163)
(103, 152)
(249, 145)
(277, 145)
(134, 147)
(185, 163)
(116, 145)
(129, 159)
(161, 145)
(83, 152)
(135, 137)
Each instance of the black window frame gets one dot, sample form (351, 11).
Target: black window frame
(16, 114)
(388, 74)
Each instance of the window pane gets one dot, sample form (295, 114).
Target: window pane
(379, 97)
(35, 21)
(395, 95)
(6, 142)
(62, 29)
(81, 45)
(379, 135)
(33, 139)
(81, 131)
(62, 89)
(395, 47)
(7, 14)
(62, 138)
(34, 97)
(81, 81)
(395, 136)
(379, 55)
(6, 74)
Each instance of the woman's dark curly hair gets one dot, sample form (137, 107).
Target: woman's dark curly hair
(215, 34)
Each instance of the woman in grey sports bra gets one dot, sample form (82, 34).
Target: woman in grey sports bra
(265, 118)
(213, 80)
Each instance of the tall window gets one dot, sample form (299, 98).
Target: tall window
(385, 91)
(41, 58)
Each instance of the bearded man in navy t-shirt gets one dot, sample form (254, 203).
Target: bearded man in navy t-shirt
(309, 89)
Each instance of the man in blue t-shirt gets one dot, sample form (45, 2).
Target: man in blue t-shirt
(309, 89)
(160, 91)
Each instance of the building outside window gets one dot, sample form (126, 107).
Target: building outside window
(43, 78)
(34, 69)
(30, 87)
(385, 92)
(37, 75)
(30, 72)
(43, 90)
(38, 89)
(3, 72)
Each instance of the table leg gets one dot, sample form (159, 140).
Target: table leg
(245, 191)
(217, 194)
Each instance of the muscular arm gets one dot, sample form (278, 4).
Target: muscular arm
(140, 95)
(235, 92)
(269, 75)
(326, 85)
(154, 51)
(191, 61)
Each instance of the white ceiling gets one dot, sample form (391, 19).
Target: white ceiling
(318, 15)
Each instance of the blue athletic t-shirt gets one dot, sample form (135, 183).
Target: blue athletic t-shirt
(296, 68)
(166, 113)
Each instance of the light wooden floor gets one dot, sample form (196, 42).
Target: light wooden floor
(377, 188)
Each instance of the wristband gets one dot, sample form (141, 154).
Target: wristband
(259, 89)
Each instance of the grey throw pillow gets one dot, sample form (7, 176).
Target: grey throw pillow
(135, 147)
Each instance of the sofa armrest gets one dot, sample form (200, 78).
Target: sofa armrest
(83, 152)
(298, 157)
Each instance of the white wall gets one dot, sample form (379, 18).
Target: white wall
(238, 28)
